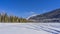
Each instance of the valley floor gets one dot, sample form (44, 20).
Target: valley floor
(29, 28)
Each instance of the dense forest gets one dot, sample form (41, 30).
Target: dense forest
(6, 18)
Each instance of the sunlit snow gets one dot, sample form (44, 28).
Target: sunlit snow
(29, 28)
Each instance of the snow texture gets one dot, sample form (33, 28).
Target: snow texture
(29, 28)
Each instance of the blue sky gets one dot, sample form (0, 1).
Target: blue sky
(25, 8)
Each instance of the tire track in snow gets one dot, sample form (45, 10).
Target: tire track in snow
(46, 27)
(42, 28)
(52, 28)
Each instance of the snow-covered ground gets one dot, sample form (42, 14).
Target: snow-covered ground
(29, 28)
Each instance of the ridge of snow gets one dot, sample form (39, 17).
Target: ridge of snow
(31, 16)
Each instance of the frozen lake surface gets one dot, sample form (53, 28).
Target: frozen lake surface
(29, 28)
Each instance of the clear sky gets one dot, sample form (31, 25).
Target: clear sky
(24, 8)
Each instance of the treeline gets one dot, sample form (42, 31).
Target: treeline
(5, 18)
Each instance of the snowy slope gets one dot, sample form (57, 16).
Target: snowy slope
(29, 28)
(31, 16)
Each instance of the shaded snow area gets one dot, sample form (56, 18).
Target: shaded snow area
(29, 28)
